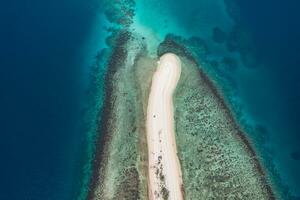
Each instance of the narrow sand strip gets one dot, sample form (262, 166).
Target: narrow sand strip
(164, 168)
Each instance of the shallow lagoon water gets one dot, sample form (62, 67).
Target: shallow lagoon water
(262, 83)
(47, 41)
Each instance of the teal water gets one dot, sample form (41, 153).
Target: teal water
(251, 53)
(52, 87)
(45, 56)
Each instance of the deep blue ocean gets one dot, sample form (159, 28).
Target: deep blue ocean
(44, 51)
(46, 48)
(273, 94)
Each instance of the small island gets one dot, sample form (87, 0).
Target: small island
(167, 132)
(165, 129)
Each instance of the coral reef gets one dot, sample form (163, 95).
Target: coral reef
(217, 159)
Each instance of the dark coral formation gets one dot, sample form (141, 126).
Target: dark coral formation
(120, 12)
(116, 60)
(198, 114)
(120, 157)
(172, 44)
(129, 186)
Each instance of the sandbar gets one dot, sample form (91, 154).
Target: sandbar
(164, 172)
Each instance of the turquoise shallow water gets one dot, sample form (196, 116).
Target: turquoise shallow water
(48, 50)
(248, 56)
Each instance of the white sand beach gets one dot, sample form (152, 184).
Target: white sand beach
(165, 179)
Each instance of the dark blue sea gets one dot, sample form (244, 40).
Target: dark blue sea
(273, 93)
(47, 48)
